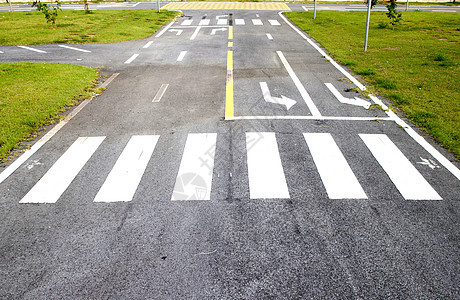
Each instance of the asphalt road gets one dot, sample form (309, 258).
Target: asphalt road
(228, 159)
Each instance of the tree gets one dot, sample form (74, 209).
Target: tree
(50, 12)
(392, 14)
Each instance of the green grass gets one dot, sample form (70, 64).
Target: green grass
(416, 66)
(32, 95)
(109, 26)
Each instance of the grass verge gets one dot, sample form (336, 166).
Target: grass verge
(416, 65)
(32, 95)
(102, 26)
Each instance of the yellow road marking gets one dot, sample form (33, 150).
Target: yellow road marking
(230, 33)
(230, 44)
(229, 110)
(226, 5)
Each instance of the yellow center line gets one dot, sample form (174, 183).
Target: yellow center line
(230, 33)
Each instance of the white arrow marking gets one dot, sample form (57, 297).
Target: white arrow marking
(288, 102)
(176, 30)
(213, 32)
(356, 101)
(428, 162)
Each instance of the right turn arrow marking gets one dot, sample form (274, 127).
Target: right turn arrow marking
(288, 102)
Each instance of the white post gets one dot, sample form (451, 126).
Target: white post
(407, 5)
(367, 24)
(158, 3)
(11, 8)
(314, 13)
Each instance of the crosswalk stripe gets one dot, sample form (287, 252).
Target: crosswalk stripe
(257, 22)
(122, 181)
(402, 173)
(187, 22)
(265, 171)
(194, 178)
(274, 22)
(239, 22)
(51, 186)
(222, 22)
(336, 174)
(204, 22)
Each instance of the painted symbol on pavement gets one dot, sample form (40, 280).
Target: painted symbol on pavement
(287, 102)
(428, 162)
(213, 32)
(356, 101)
(189, 186)
(178, 31)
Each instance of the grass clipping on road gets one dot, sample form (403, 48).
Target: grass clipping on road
(102, 26)
(33, 94)
(416, 65)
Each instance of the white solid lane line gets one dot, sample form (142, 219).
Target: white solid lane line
(269, 36)
(130, 60)
(181, 55)
(303, 92)
(51, 186)
(1, 52)
(265, 171)
(148, 44)
(32, 49)
(274, 22)
(336, 174)
(239, 22)
(74, 48)
(257, 22)
(123, 180)
(402, 173)
(194, 178)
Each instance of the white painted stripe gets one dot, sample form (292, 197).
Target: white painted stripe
(307, 118)
(160, 93)
(74, 48)
(148, 44)
(109, 80)
(269, 36)
(123, 180)
(194, 178)
(1, 52)
(222, 21)
(195, 33)
(204, 22)
(305, 8)
(51, 186)
(187, 22)
(266, 175)
(257, 22)
(164, 29)
(181, 55)
(32, 49)
(336, 174)
(239, 22)
(404, 175)
(130, 60)
(303, 92)
(274, 22)
(336, 65)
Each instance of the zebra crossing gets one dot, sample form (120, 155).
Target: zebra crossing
(224, 21)
(266, 174)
